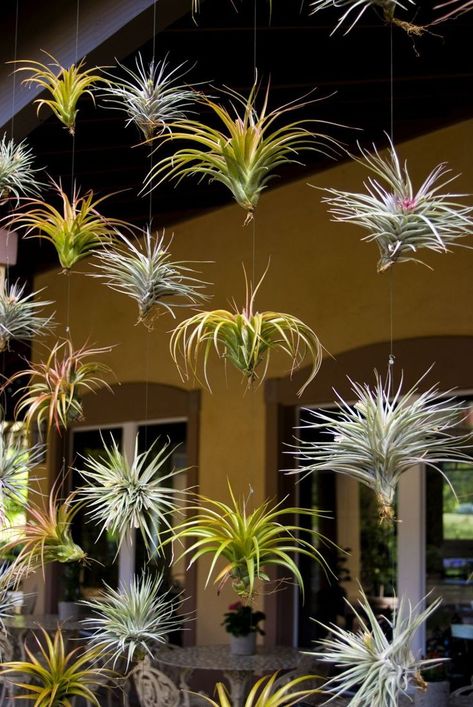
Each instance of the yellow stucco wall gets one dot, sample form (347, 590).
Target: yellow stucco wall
(320, 271)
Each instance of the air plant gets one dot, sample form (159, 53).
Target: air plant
(17, 176)
(267, 693)
(245, 339)
(53, 395)
(75, 230)
(399, 219)
(244, 153)
(250, 542)
(357, 8)
(378, 668)
(53, 678)
(385, 433)
(17, 460)
(19, 315)
(121, 495)
(454, 8)
(146, 273)
(152, 97)
(132, 621)
(65, 85)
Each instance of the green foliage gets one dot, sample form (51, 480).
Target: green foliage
(17, 175)
(241, 620)
(16, 462)
(265, 693)
(19, 318)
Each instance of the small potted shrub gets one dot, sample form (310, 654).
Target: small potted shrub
(241, 622)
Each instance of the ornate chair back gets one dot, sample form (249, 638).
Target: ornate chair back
(154, 688)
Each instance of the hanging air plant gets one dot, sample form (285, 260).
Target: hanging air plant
(357, 8)
(269, 692)
(19, 318)
(53, 394)
(245, 339)
(17, 460)
(152, 97)
(244, 153)
(123, 495)
(378, 668)
(131, 622)
(75, 230)
(145, 272)
(385, 433)
(451, 10)
(249, 542)
(400, 220)
(65, 86)
(17, 176)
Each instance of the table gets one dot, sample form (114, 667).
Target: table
(238, 670)
(19, 625)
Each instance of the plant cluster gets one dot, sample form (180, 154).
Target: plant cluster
(19, 315)
(17, 174)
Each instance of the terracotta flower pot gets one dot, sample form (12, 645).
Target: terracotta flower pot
(243, 645)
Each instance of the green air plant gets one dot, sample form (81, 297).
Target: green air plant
(76, 229)
(146, 272)
(383, 434)
(152, 97)
(53, 393)
(267, 692)
(400, 220)
(244, 154)
(357, 8)
(65, 86)
(19, 315)
(17, 460)
(121, 495)
(17, 175)
(51, 677)
(378, 668)
(131, 622)
(249, 542)
(245, 339)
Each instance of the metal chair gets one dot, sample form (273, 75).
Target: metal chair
(154, 688)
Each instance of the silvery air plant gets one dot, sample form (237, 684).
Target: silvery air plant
(19, 315)
(17, 460)
(145, 271)
(399, 219)
(383, 434)
(121, 495)
(17, 176)
(379, 669)
(131, 622)
(357, 8)
(152, 97)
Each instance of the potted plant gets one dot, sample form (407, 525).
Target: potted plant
(241, 622)
(68, 607)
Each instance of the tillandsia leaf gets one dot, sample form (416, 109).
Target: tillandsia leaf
(385, 433)
(152, 97)
(17, 460)
(19, 315)
(399, 219)
(122, 495)
(248, 542)
(357, 8)
(452, 9)
(245, 152)
(65, 86)
(267, 692)
(197, 3)
(379, 669)
(55, 387)
(75, 230)
(244, 338)
(146, 272)
(17, 175)
(51, 677)
(131, 622)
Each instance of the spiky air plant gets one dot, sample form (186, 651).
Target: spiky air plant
(146, 272)
(249, 542)
(152, 97)
(244, 338)
(383, 434)
(378, 668)
(121, 495)
(65, 86)
(401, 220)
(17, 460)
(131, 622)
(452, 9)
(357, 8)
(75, 230)
(17, 175)
(55, 387)
(267, 693)
(54, 677)
(244, 153)
(45, 537)
(19, 315)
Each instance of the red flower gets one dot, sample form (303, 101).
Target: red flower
(234, 607)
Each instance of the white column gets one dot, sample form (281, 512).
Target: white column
(126, 558)
(411, 543)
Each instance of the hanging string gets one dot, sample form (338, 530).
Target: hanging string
(392, 357)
